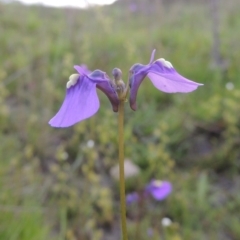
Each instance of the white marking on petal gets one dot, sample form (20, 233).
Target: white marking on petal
(72, 80)
(69, 84)
(157, 183)
(168, 64)
(165, 63)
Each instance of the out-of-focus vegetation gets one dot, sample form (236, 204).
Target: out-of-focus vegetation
(55, 183)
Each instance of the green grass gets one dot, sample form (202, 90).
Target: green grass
(52, 186)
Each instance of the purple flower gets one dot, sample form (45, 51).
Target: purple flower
(163, 76)
(132, 197)
(81, 100)
(159, 190)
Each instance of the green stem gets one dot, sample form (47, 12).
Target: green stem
(121, 169)
(63, 222)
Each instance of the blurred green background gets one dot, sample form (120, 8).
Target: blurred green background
(56, 183)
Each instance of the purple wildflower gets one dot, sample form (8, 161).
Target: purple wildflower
(163, 76)
(81, 100)
(132, 197)
(159, 190)
(150, 232)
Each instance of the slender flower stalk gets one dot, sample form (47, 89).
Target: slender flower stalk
(121, 91)
(121, 169)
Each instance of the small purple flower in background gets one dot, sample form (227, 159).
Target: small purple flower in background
(132, 197)
(159, 190)
(81, 100)
(150, 232)
(162, 75)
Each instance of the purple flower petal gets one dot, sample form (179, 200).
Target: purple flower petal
(81, 70)
(132, 197)
(104, 84)
(169, 80)
(163, 76)
(85, 69)
(139, 72)
(109, 91)
(81, 102)
(159, 189)
(152, 56)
